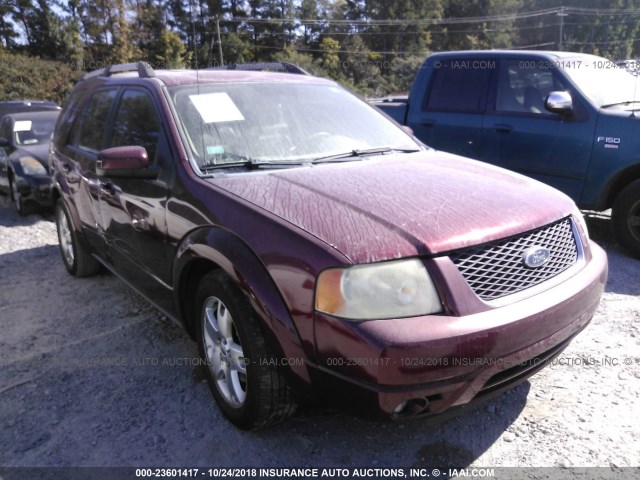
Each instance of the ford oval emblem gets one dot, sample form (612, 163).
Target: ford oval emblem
(535, 256)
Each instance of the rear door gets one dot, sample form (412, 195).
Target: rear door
(521, 135)
(77, 161)
(450, 117)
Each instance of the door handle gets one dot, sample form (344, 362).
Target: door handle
(107, 188)
(428, 123)
(502, 128)
(141, 224)
(69, 174)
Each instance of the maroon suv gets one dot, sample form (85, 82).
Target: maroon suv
(310, 244)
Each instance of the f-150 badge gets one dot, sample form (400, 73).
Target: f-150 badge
(609, 142)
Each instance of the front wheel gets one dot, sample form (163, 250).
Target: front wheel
(242, 370)
(626, 218)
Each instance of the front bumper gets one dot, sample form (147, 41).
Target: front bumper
(426, 365)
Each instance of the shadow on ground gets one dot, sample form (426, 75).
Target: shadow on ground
(624, 270)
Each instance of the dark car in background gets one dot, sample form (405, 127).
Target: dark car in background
(24, 154)
(309, 244)
(20, 106)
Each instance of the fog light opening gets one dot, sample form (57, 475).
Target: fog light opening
(411, 408)
(401, 406)
(416, 406)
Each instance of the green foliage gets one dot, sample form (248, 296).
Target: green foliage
(303, 60)
(23, 77)
(172, 53)
(123, 49)
(330, 60)
(372, 46)
(236, 48)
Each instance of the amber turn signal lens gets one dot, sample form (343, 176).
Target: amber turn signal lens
(329, 295)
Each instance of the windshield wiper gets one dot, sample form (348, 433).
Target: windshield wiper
(356, 153)
(240, 162)
(625, 103)
(252, 163)
(248, 162)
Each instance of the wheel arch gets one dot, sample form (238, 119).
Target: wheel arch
(619, 183)
(55, 196)
(213, 248)
(60, 190)
(10, 179)
(13, 166)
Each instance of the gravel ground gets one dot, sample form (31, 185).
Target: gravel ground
(91, 375)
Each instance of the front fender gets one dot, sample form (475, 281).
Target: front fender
(229, 253)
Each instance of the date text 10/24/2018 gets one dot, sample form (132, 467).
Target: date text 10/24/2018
(260, 473)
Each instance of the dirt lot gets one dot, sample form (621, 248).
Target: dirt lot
(91, 375)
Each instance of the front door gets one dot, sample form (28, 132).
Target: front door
(521, 135)
(133, 209)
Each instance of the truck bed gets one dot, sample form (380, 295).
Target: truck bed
(395, 107)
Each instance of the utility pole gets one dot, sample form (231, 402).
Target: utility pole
(561, 14)
(219, 41)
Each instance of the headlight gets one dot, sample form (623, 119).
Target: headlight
(580, 218)
(394, 289)
(31, 166)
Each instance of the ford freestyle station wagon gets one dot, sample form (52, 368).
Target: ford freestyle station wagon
(309, 244)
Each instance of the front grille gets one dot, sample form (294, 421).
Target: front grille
(497, 269)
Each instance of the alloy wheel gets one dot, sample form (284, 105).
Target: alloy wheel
(64, 235)
(224, 353)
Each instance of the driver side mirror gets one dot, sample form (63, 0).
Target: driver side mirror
(559, 102)
(130, 161)
(4, 142)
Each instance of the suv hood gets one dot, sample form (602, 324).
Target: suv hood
(394, 206)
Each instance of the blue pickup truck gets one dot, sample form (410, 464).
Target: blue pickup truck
(567, 119)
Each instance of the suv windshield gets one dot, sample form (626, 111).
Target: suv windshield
(602, 83)
(276, 123)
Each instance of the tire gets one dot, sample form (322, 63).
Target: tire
(21, 208)
(241, 370)
(626, 218)
(77, 260)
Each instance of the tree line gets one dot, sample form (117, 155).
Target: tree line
(372, 46)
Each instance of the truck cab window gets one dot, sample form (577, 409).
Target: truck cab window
(459, 86)
(523, 87)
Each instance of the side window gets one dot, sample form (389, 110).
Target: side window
(459, 86)
(5, 129)
(90, 127)
(136, 122)
(523, 87)
(67, 119)
(5, 132)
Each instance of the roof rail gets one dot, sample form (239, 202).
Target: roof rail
(285, 67)
(143, 68)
